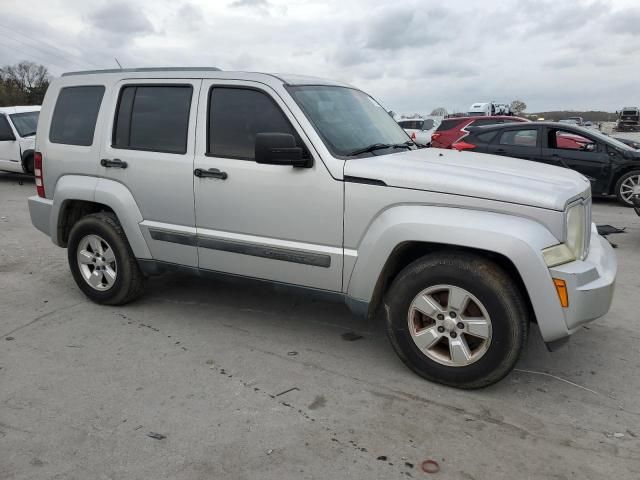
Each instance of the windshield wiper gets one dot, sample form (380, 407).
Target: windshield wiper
(28, 134)
(380, 146)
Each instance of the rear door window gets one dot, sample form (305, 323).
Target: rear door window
(75, 115)
(153, 118)
(520, 138)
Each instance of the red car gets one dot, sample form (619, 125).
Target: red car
(453, 129)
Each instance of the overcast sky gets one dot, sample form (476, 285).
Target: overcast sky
(412, 56)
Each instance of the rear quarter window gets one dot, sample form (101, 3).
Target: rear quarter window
(75, 115)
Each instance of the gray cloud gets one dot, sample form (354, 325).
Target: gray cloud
(262, 7)
(121, 18)
(250, 3)
(625, 21)
(458, 69)
(412, 55)
(394, 28)
(561, 19)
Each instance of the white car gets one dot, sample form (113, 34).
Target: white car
(17, 138)
(420, 129)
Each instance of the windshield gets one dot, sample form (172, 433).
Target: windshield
(348, 120)
(25, 123)
(604, 138)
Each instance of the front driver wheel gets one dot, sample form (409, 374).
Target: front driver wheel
(457, 319)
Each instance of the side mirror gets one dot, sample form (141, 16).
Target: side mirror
(279, 149)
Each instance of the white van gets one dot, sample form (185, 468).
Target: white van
(17, 138)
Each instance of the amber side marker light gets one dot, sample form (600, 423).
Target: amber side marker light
(561, 289)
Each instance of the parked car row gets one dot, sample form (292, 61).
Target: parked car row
(612, 167)
(310, 183)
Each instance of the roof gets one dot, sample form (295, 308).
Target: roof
(209, 72)
(564, 126)
(20, 109)
(148, 69)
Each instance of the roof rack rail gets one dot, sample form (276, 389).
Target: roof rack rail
(147, 69)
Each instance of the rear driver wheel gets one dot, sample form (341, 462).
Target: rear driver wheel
(102, 262)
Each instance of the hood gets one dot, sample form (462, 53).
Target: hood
(477, 175)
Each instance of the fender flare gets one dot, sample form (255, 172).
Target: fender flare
(107, 192)
(519, 239)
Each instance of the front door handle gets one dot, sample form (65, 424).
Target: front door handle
(115, 163)
(211, 173)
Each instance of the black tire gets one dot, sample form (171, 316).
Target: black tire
(492, 286)
(619, 183)
(129, 282)
(27, 165)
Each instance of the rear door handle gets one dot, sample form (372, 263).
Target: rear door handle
(211, 173)
(115, 163)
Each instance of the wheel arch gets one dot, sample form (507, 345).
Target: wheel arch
(76, 196)
(407, 252)
(403, 234)
(619, 174)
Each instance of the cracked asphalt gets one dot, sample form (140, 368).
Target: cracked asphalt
(245, 382)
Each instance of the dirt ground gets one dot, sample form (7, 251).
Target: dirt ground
(246, 383)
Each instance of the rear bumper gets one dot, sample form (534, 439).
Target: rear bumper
(590, 283)
(40, 211)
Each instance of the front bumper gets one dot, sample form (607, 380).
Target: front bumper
(40, 211)
(590, 283)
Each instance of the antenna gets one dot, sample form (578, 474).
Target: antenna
(118, 62)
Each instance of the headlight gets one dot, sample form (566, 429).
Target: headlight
(576, 228)
(574, 246)
(557, 255)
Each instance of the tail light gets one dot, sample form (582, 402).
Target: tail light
(37, 170)
(460, 146)
(413, 136)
